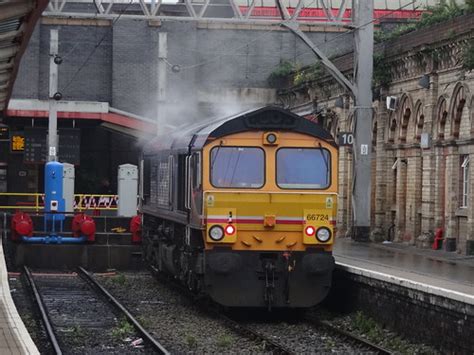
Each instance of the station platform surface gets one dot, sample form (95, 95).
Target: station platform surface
(447, 273)
(14, 338)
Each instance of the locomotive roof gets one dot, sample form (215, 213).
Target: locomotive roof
(269, 118)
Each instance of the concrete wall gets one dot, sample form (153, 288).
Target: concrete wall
(422, 316)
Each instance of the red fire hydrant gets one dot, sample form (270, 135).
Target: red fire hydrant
(21, 225)
(438, 240)
(83, 225)
(136, 229)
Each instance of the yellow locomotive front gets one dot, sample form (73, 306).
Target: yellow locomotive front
(269, 212)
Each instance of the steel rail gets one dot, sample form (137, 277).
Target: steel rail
(270, 344)
(355, 338)
(155, 344)
(44, 314)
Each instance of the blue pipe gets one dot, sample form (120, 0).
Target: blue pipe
(54, 239)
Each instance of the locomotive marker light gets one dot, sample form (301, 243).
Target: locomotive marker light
(323, 234)
(310, 230)
(216, 233)
(229, 229)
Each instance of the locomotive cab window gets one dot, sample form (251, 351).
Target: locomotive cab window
(303, 168)
(237, 167)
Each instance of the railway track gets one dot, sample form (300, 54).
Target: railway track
(350, 337)
(269, 345)
(272, 345)
(78, 313)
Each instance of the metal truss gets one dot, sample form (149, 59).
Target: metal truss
(320, 12)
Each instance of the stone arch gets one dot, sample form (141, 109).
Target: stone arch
(391, 127)
(404, 114)
(419, 121)
(441, 118)
(332, 122)
(456, 108)
(471, 114)
(350, 123)
(374, 133)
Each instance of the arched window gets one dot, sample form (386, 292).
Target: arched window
(419, 121)
(405, 113)
(392, 128)
(459, 100)
(374, 135)
(442, 116)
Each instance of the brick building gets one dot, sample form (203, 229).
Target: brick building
(422, 179)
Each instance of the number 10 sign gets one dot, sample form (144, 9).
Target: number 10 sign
(345, 138)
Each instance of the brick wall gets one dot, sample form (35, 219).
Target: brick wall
(421, 192)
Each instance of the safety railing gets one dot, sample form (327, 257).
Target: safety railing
(35, 202)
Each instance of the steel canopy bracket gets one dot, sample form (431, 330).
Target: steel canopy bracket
(338, 76)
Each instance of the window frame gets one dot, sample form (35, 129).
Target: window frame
(237, 187)
(303, 188)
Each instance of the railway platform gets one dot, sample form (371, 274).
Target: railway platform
(14, 338)
(446, 274)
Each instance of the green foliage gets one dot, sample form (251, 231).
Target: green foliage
(144, 321)
(224, 341)
(281, 73)
(311, 73)
(119, 279)
(468, 56)
(381, 75)
(363, 324)
(470, 5)
(444, 11)
(76, 335)
(191, 341)
(122, 330)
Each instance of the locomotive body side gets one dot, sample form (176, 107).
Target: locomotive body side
(245, 215)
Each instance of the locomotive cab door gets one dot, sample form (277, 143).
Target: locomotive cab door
(194, 189)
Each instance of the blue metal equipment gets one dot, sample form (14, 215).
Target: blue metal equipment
(54, 204)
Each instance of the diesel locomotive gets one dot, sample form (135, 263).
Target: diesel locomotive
(243, 208)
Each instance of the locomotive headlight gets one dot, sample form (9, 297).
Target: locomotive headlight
(216, 233)
(323, 234)
(271, 138)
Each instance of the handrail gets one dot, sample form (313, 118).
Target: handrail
(82, 202)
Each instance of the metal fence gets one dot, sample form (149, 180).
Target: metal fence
(35, 202)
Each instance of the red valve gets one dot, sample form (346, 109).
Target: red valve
(83, 224)
(21, 225)
(136, 229)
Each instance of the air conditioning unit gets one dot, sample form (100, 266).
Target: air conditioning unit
(391, 103)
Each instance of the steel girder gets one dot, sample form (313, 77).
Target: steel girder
(242, 11)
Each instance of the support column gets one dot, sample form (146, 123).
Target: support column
(162, 77)
(364, 43)
(400, 221)
(413, 196)
(470, 210)
(452, 192)
(381, 201)
(53, 88)
(429, 172)
(440, 187)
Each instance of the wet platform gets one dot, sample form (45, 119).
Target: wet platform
(446, 274)
(14, 338)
